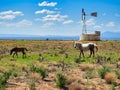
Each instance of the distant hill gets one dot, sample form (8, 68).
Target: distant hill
(110, 36)
(36, 37)
(104, 36)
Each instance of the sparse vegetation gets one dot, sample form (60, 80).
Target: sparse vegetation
(40, 70)
(103, 71)
(46, 58)
(118, 74)
(110, 78)
(32, 85)
(61, 80)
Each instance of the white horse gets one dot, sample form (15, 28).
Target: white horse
(86, 46)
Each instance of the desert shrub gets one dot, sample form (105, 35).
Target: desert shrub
(41, 58)
(77, 60)
(34, 76)
(4, 78)
(70, 80)
(15, 74)
(110, 77)
(89, 73)
(7, 74)
(112, 87)
(118, 74)
(85, 67)
(61, 80)
(43, 73)
(32, 86)
(40, 70)
(2, 81)
(55, 54)
(76, 87)
(66, 55)
(103, 71)
(62, 51)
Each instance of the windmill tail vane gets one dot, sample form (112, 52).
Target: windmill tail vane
(94, 14)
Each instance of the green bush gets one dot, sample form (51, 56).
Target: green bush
(103, 71)
(40, 70)
(118, 74)
(15, 74)
(4, 78)
(112, 87)
(77, 60)
(89, 74)
(32, 86)
(61, 80)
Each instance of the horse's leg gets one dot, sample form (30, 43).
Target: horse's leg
(13, 54)
(93, 52)
(24, 54)
(16, 54)
(82, 53)
(90, 53)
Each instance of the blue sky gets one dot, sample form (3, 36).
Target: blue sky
(58, 17)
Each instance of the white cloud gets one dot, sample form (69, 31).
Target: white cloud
(44, 11)
(9, 15)
(45, 3)
(68, 22)
(56, 17)
(22, 23)
(90, 22)
(48, 24)
(97, 27)
(110, 24)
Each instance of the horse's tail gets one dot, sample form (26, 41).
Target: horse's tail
(96, 47)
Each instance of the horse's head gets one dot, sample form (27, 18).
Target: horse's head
(11, 51)
(77, 45)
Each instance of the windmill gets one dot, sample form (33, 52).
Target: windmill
(85, 35)
(84, 30)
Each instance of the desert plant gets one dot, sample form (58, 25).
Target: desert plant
(61, 80)
(4, 78)
(103, 71)
(43, 73)
(118, 74)
(77, 60)
(15, 74)
(110, 77)
(66, 55)
(32, 86)
(7, 74)
(89, 73)
(40, 70)
(112, 87)
(76, 87)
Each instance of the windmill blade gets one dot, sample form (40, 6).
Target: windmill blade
(94, 14)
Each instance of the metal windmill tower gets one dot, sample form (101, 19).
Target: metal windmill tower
(84, 30)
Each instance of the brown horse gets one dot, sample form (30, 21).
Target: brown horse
(15, 51)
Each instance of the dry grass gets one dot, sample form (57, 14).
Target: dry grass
(76, 87)
(110, 77)
(85, 67)
(34, 76)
